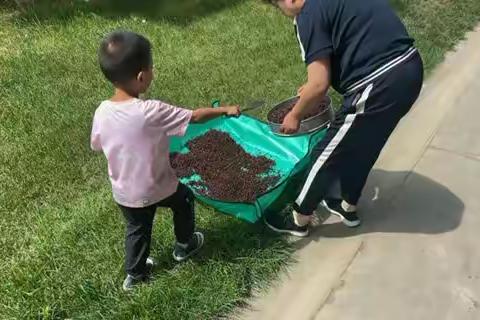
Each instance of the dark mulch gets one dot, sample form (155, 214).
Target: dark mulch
(228, 172)
(278, 115)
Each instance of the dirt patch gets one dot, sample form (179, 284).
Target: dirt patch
(227, 171)
(277, 115)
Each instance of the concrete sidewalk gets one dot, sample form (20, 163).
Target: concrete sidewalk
(415, 255)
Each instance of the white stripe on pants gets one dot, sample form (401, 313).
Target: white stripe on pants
(327, 152)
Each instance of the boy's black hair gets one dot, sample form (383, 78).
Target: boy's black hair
(123, 54)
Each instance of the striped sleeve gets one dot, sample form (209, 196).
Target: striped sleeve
(313, 37)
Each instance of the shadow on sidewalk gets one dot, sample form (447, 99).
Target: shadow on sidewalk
(415, 204)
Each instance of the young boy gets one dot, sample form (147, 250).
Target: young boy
(362, 50)
(134, 136)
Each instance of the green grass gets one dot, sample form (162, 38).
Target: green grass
(61, 236)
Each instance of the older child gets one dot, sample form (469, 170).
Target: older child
(363, 50)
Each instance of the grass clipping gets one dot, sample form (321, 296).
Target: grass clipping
(227, 171)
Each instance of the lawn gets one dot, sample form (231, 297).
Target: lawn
(61, 236)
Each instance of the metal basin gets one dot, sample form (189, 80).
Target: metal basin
(317, 122)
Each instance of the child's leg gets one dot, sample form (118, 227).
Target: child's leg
(358, 134)
(183, 206)
(138, 237)
(327, 154)
(392, 97)
(360, 161)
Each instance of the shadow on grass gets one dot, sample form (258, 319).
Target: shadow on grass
(181, 12)
(400, 202)
(232, 241)
(251, 255)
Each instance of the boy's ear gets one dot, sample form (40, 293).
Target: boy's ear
(140, 76)
(294, 3)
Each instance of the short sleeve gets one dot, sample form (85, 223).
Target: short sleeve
(95, 141)
(313, 36)
(172, 120)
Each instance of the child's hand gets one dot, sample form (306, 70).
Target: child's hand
(232, 111)
(202, 115)
(291, 124)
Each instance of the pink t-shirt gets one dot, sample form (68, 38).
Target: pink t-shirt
(134, 136)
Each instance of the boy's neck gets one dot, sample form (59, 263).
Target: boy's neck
(122, 95)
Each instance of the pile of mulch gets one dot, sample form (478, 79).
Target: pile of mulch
(227, 171)
(279, 114)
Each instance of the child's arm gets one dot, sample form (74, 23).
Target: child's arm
(173, 121)
(204, 114)
(310, 94)
(95, 142)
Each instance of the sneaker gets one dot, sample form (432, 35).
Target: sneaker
(150, 264)
(183, 252)
(285, 224)
(131, 282)
(350, 219)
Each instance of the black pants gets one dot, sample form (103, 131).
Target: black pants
(359, 132)
(138, 235)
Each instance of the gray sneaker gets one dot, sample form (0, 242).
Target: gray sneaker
(131, 282)
(183, 252)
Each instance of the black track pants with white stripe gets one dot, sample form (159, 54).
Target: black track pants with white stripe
(358, 134)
